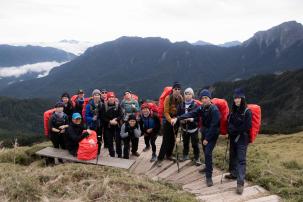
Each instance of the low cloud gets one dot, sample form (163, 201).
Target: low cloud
(43, 68)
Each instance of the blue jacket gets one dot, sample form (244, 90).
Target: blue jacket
(210, 121)
(92, 110)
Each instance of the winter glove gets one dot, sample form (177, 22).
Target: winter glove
(85, 134)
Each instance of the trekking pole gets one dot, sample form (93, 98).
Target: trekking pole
(225, 159)
(177, 149)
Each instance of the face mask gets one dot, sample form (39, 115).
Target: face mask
(59, 114)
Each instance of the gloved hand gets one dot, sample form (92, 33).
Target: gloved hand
(85, 134)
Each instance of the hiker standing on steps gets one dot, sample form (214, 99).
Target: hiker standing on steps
(74, 134)
(92, 115)
(171, 104)
(150, 125)
(68, 106)
(57, 125)
(239, 125)
(111, 116)
(189, 127)
(130, 132)
(129, 105)
(210, 129)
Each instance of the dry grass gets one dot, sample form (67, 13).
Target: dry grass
(30, 180)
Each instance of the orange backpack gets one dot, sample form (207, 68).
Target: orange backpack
(88, 147)
(224, 111)
(46, 116)
(256, 121)
(166, 92)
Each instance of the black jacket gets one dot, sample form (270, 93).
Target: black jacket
(109, 112)
(68, 110)
(73, 137)
(56, 122)
(239, 122)
(192, 107)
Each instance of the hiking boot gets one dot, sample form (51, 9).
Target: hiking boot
(154, 158)
(146, 149)
(198, 162)
(240, 189)
(203, 170)
(185, 158)
(230, 177)
(209, 182)
(159, 163)
(135, 154)
(171, 158)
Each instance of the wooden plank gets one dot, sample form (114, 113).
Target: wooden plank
(271, 198)
(173, 169)
(104, 161)
(232, 196)
(156, 170)
(187, 170)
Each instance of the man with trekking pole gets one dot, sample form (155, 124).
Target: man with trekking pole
(210, 129)
(171, 104)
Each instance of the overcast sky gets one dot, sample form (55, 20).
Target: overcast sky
(215, 21)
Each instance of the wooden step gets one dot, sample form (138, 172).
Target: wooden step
(156, 170)
(104, 161)
(173, 169)
(232, 196)
(271, 198)
(185, 171)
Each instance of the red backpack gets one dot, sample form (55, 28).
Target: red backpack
(224, 111)
(256, 121)
(88, 147)
(86, 100)
(153, 107)
(46, 116)
(166, 92)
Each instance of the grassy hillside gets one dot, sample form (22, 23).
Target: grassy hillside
(30, 180)
(275, 162)
(22, 119)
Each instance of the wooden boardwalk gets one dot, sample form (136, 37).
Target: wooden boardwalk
(193, 181)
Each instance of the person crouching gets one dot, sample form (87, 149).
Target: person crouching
(74, 134)
(130, 132)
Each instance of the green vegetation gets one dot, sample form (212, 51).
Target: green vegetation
(30, 180)
(22, 119)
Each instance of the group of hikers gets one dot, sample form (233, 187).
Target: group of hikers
(120, 125)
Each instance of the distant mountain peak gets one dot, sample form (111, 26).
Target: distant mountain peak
(230, 44)
(69, 41)
(201, 43)
(285, 34)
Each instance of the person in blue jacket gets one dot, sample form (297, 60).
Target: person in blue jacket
(210, 129)
(239, 125)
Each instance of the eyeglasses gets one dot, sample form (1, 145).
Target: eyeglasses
(103, 92)
(177, 89)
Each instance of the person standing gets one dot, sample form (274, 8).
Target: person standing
(171, 104)
(189, 128)
(210, 129)
(239, 125)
